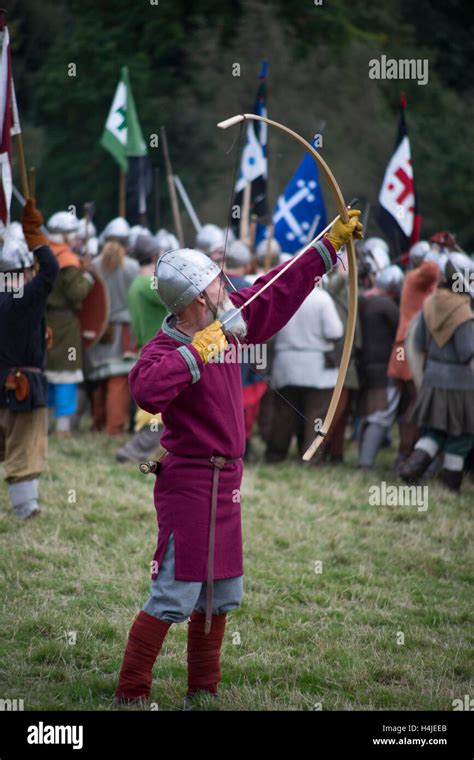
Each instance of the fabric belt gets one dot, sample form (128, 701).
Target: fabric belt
(219, 462)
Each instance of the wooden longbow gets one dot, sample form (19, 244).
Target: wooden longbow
(351, 258)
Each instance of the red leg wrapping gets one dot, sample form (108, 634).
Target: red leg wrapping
(204, 652)
(143, 647)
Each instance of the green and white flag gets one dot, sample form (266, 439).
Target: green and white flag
(122, 135)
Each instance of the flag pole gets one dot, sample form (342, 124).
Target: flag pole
(142, 192)
(252, 232)
(32, 181)
(268, 252)
(366, 214)
(172, 189)
(22, 165)
(88, 209)
(122, 185)
(157, 197)
(244, 217)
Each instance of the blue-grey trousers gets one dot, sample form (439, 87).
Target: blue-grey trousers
(173, 601)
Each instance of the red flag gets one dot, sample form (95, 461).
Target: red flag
(9, 123)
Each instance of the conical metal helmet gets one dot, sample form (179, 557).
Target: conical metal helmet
(182, 275)
(63, 222)
(459, 271)
(390, 279)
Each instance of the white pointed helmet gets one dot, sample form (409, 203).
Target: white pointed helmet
(439, 258)
(229, 235)
(262, 251)
(459, 271)
(117, 228)
(390, 279)
(166, 241)
(238, 255)
(376, 253)
(182, 275)
(63, 223)
(14, 253)
(210, 238)
(418, 251)
(15, 230)
(135, 232)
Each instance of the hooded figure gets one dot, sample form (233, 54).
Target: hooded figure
(445, 404)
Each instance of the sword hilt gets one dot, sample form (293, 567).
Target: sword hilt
(147, 467)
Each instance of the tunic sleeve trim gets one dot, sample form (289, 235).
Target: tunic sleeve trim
(325, 254)
(191, 362)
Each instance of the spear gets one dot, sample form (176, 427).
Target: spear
(172, 189)
(187, 203)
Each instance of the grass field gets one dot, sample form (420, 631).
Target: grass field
(384, 623)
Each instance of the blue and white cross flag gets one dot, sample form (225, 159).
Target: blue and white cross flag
(300, 211)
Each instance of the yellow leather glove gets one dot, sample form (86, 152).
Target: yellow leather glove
(340, 232)
(210, 341)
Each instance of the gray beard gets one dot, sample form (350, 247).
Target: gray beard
(238, 326)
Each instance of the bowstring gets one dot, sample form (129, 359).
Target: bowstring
(229, 213)
(222, 282)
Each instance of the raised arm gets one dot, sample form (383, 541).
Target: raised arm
(161, 373)
(37, 291)
(268, 313)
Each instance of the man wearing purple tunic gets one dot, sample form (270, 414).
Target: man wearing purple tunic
(190, 374)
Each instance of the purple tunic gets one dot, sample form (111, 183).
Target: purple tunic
(202, 411)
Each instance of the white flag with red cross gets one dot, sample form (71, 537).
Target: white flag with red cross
(397, 194)
(397, 213)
